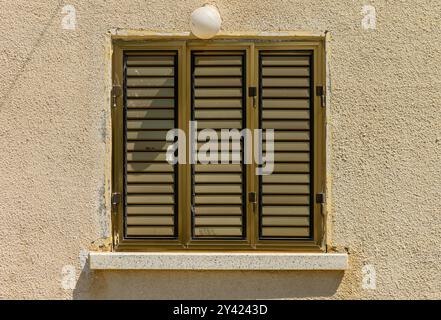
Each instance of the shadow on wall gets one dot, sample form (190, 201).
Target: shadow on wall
(206, 284)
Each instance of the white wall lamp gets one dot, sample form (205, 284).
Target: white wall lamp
(205, 22)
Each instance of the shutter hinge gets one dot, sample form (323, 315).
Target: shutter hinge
(252, 92)
(252, 197)
(320, 92)
(116, 198)
(320, 198)
(116, 92)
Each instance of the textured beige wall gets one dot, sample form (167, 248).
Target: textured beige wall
(384, 149)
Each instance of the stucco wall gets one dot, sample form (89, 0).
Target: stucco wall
(384, 148)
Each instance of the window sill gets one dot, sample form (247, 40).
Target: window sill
(217, 261)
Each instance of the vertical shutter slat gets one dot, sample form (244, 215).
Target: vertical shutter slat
(218, 103)
(150, 111)
(285, 106)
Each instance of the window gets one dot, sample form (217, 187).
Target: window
(219, 195)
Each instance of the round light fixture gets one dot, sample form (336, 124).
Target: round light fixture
(205, 22)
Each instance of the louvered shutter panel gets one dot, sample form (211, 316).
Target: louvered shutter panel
(218, 102)
(286, 106)
(150, 111)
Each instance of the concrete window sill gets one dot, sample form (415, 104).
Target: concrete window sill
(217, 261)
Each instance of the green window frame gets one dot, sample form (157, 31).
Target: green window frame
(159, 85)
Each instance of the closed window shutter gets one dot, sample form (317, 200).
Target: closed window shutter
(218, 102)
(150, 92)
(285, 105)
